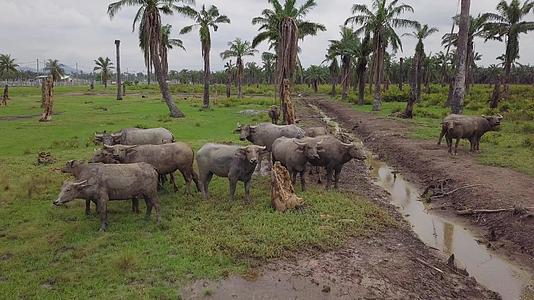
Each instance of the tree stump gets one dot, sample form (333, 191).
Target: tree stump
(47, 99)
(5, 97)
(283, 195)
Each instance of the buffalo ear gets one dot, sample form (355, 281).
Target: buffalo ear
(241, 152)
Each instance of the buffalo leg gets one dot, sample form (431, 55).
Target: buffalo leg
(293, 177)
(87, 207)
(204, 183)
(441, 136)
(248, 184)
(103, 212)
(456, 146)
(173, 181)
(303, 180)
(233, 183)
(135, 205)
(152, 202)
(336, 177)
(329, 172)
(194, 176)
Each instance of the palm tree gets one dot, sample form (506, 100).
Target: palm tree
(150, 38)
(347, 49)
(239, 49)
(229, 69)
(271, 20)
(458, 92)
(204, 20)
(7, 65)
(333, 69)
(269, 64)
(508, 23)
(477, 28)
(104, 66)
(54, 68)
(253, 73)
(421, 33)
(382, 23)
(362, 56)
(168, 43)
(315, 75)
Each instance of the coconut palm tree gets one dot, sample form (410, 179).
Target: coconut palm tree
(239, 49)
(148, 17)
(269, 65)
(271, 20)
(458, 91)
(477, 28)
(381, 23)
(508, 23)
(104, 65)
(8, 67)
(168, 43)
(347, 49)
(421, 33)
(54, 68)
(204, 20)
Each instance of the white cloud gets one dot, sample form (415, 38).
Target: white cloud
(77, 31)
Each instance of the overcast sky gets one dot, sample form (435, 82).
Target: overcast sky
(78, 31)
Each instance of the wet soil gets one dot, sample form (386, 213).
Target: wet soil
(424, 162)
(392, 264)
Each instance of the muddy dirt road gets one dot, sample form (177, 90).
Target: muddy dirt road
(424, 162)
(393, 264)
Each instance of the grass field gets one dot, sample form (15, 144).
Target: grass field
(511, 147)
(48, 252)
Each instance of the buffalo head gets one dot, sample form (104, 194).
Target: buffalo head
(245, 132)
(70, 191)
(309, 149)
(251, 153)
(494, 121)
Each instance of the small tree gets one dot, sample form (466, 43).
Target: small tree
(104, 66)
(239, 49)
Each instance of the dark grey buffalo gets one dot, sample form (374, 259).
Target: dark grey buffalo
(333, 155)
(115, 182)
(166, 158)
(294, 155)
(274, 114)
(471, 128)
(265, 133)
(315, 131)
(237, 163)
(136, 136)
(82, 170)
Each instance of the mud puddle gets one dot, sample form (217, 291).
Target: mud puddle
(446, 235)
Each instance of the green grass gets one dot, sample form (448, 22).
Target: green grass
(510, 147)
(56, 252)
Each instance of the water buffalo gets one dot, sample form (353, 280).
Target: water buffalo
(166, 158)
(136, 136)
(115, 182)
(315, 131)
(274, 114)
(471, 128)
(237, 163)
(333, 155)
(81, 170)
(294, 155)
(265, 133)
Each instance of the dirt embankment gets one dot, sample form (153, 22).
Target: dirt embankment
(392, 264)
(425, 162)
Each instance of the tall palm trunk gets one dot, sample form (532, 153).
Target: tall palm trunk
(401, 74)
(415, 86)
(346, 74)
(148, 74)
(496, 95)
(507, 69)
(333, 79)
(361, 87)
(457, 102)
(228, 84)
(206, 52)
(468, 64)
(240, 72)
(377, 104)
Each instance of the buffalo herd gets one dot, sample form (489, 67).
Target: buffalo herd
(134, 163)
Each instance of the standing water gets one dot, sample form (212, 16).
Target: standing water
(449, 237)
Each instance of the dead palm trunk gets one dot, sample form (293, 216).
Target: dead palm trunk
(287, 59)
(119, 85)
(457, 102)
(240, 72)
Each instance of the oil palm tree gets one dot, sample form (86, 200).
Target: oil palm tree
(54, 68)
(381, 23)
(148, 17)
(269, 64)
(8, 67)
(104, 65)
(346, 48)
(168, 43)
(205, 19)
(508, 23)
(239, 49)
(421, 33)
(271, 20)
(477, 29)
(315, 75)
